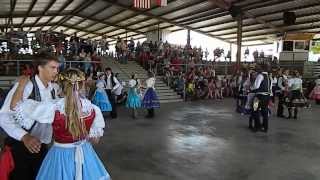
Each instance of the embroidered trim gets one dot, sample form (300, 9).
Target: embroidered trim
(20, 117)
(96, 132)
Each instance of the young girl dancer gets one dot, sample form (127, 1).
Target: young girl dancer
(100, 97)
(150, 99)
(133, 100)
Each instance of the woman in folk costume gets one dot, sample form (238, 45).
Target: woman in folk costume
(295, 95)
(150, 99)
(315, 93)
(75, 121)
(100, 97)
(133, 100)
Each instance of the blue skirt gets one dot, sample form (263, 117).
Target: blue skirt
(59, 164)
(133, 100)
(101, 100)
(150, 99)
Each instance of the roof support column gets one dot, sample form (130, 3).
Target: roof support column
(239, 39)
(188, 38)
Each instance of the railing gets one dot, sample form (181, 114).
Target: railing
(14, 67)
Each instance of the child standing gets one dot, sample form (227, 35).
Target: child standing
(100, 97)
(150, 99)
(133, 100)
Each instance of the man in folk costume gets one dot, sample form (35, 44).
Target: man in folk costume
(29, 146)
(282, 83)
(263, 89)
(113, 88)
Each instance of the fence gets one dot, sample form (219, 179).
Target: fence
(15, 67)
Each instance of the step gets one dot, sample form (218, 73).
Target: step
(170, 101)
(165, 91)
(169, 97)
(161, 96)
(163, 87)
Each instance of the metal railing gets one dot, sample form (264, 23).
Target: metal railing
(14, 67)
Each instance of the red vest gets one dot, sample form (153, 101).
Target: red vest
(60, 131)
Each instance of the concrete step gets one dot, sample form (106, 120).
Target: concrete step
(168, 97)
(170, 101)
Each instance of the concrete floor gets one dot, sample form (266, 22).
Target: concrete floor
(207, 140)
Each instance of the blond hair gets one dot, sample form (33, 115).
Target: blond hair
(70, 81)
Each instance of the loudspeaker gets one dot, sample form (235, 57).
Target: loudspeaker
(289, 18)
(287, 46)
(234, 11)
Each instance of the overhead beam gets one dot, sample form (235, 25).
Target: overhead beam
(65, 5)
(96, 22)
(111, 24)
(274, 32)
(146, 10)
(75, 11)
(263, 28)
(153, 24)
(136, 14)
(12, 7)
(33, 2)
(183, 6)
(44, 12)
(27, 25)
(36, 15)
(160, 18)
(94, 14)
(259, 15)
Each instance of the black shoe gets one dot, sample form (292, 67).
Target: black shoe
(281, 116)
(263, 130)
(289, 117)
(295, 117)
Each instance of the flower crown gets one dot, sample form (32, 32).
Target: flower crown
(71, 75)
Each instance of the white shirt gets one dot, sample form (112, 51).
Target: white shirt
(31, 111)
(132, 83)
(259, 80)
(281, 80)
(10, 126)
(151, 82)
(295, 83)
(109, 83)
(274, 81)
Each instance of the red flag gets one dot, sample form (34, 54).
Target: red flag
(142, 4)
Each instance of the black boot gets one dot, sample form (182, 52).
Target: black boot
(152, 113)
(290, 113)
(295, 113)
(149, 115)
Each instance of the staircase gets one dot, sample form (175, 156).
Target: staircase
(165, 93)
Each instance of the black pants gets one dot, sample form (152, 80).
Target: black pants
(280, 105)
(150, 113)
(27, 164)
(112, 99)
(296, 94)
(263, 111)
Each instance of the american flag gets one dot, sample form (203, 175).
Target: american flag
(162, 2)
(142, 4)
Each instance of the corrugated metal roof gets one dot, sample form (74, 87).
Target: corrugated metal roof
(118, 18)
